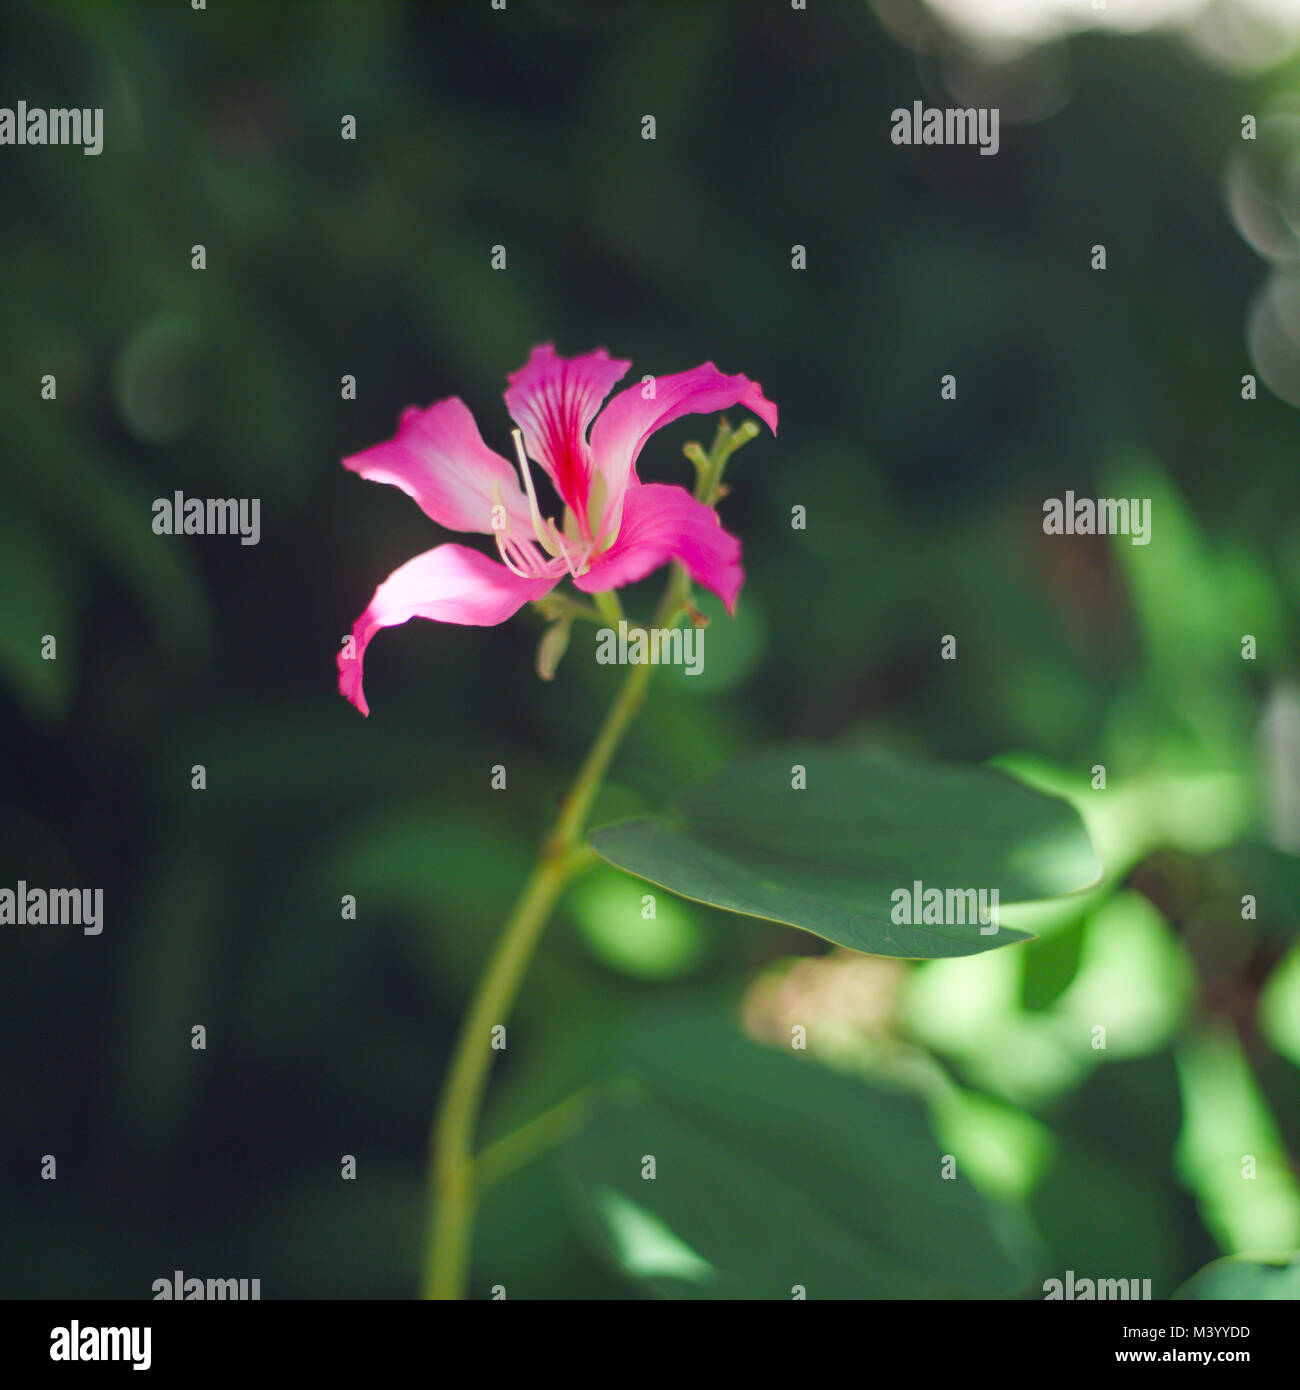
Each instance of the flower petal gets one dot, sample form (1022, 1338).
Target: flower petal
(553, 399)
(450, 584)
(439, 458)
(662, 523)
(629, 420)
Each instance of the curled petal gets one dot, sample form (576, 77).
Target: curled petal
(449, 584)
(553, 400)
(662, 523)
(629, 420)
(439, 458)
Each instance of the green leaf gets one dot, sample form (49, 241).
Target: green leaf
(773, 1172)
(1245, 1278)
(829, 858)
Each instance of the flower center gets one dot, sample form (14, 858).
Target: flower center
(566, 547)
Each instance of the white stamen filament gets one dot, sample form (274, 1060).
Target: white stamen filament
(549, 536)
(506, 548)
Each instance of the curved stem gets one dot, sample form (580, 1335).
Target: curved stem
(452, 1165)
(453, 1177)
(454, 1174)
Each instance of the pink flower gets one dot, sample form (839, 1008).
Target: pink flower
(616, 529)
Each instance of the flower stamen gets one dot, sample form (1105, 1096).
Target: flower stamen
(539, 527)
(507, 548)
(549, 536)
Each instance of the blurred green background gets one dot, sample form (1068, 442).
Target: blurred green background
(326, 257)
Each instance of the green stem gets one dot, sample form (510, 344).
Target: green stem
(563, 856)
(455, 1175)
(607, 602)
(708, 484)
(555, 606)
